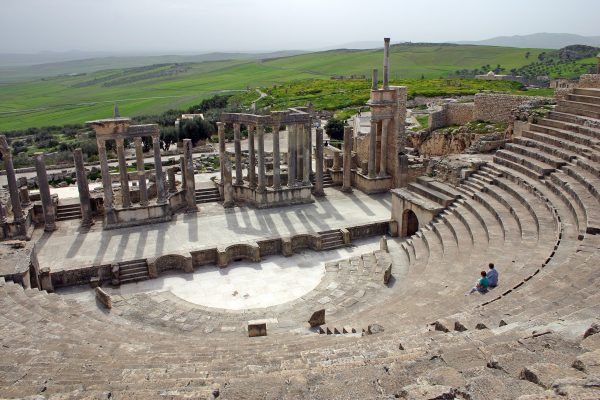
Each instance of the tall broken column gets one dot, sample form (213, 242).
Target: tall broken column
(83, 189)
(386, 63)
(299, 152)
(12, 180)
(171, 179)
(318, 188)
(375, 79)
(47, 206)
(347, 177)
(106, 179)
(190, 184)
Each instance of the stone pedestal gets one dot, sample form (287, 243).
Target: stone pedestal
(47, 206)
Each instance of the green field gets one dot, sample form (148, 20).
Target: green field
(62, 100)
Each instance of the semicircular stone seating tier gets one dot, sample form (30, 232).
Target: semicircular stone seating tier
(533, 212)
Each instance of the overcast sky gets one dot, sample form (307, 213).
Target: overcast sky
(262, 25)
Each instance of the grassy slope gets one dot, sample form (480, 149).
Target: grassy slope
(61, 100)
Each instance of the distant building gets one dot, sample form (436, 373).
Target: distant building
(491, 76)
(188, 116)
(562, 83)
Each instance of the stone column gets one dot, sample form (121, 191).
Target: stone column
(48, 207)
(386, 63)
(161, 195)
(181, 169)
(190, 184)
(83, 188)
(598, 66)
(262, 179)
(306, 156)
(276, 158)
(171, 179)
(221, 131)
(299, 152)
(310, 148)
(336, 161)
(318, 188)
(347, 178)
(384, 139)
(252, 157)
(106, 181)
(227, 184)
(292, 156)
(239, 178)
(375, 79)
(126, 199)
(372, 149)
(12, 181)
(139, 160)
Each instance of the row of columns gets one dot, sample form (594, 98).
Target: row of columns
(299, 156)
(373, 148)
(124, 177)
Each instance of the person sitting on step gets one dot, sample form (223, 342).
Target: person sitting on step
(481, 286)
(492, 276)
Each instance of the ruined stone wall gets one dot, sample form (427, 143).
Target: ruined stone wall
(451, 114)
(361, 148)
(492, 107)
(589, 81)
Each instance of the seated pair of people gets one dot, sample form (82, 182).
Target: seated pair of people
(488, 280)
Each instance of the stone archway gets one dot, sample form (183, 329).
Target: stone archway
(410, 223)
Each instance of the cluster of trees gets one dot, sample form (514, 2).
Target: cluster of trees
(335, 128)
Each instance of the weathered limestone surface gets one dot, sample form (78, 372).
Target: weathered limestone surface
(47, 204)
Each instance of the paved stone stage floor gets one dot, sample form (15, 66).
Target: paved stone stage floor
(243, 284)
(70, 248)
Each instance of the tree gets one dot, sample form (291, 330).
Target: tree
(168, 136)
(196, 129)
(335, 128)
(527, 54)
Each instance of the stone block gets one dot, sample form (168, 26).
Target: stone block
(374, 329)
(46, 279)
(104, 298)
(257, 329)
(318, 318)
(387, 275)
(94, 282)
(286, 247)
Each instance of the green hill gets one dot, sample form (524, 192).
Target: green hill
(153, 89)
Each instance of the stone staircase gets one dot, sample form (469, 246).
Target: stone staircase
(332, 239)
(68, 211)
(327, 181)
(133, 271)
(207, 195)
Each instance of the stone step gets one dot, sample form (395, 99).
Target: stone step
(569, 122)
(587, 92)
(535, 153)
(565, 134)
(430, 193)
(555, 151)
(582, 98)
(579, 109)
(538, 167)
(558, 142)
(579, 105)
(438, 186)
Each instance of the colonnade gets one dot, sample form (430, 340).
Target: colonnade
(124, 176)
(298, 155)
